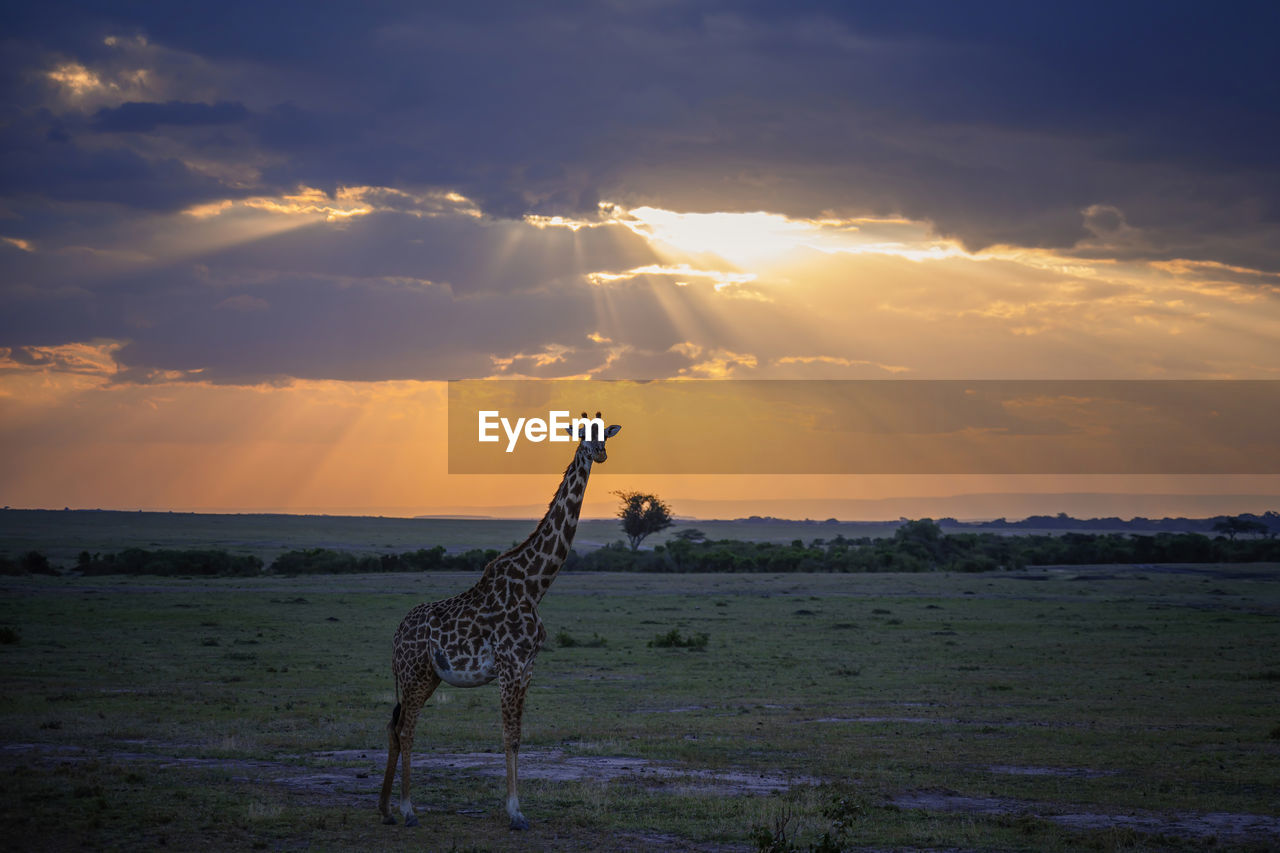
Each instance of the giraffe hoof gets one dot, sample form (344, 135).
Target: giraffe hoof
(520, 823)
(411, 820)
(389, 819)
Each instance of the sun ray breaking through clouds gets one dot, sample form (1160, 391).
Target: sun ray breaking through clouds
(204, 211)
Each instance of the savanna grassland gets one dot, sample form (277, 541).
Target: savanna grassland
(1061, 709)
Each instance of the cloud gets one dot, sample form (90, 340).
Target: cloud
(94, 358)
(404, 193)
(18, 243)
(41, 167)
(244, 302)
(420, 287)
(141, 117)
(997, 125)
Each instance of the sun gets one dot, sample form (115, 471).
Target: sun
(743, 239)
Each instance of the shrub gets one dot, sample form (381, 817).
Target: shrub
(565, 640)
(33, 562)
(138, 561)
(673, 640)
(841, 812)
(920, 546)
(314, 561)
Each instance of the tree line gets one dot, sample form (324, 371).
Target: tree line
(219, 563)
(922, 546)
(309, 561)
(1266, 524)
(916, 546)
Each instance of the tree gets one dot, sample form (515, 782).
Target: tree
(37, 563)
(641, 515)
(1233, 525)
(921, 538)
(1257, 528)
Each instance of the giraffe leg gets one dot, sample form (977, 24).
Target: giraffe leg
(393, 757)
(514, 685)
(414, 698)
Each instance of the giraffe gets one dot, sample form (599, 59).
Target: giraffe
(490, 631)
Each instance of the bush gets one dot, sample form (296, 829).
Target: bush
(30, 563)
(565, 640)
(673, 640)
(842, 813)
(313, 561)
(138, 561)
(920, 546)
(37, 564)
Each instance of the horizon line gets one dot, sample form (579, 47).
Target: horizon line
(409, 514)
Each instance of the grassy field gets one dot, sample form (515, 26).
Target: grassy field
(1086, 708)
(63, 535)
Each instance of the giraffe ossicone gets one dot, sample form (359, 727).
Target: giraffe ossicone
(491, 631)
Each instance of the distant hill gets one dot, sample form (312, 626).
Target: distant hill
(983, 505)
(1061, 521)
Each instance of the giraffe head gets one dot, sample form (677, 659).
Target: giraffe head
(591, 441)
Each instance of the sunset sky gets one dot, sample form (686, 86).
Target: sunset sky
(243, 244)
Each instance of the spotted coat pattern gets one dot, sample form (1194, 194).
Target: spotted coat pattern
(491, 631)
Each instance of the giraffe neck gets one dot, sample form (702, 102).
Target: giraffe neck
(539, 558)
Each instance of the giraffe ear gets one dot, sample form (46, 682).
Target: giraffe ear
(612, 431)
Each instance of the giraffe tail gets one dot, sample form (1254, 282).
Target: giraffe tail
(393, 727)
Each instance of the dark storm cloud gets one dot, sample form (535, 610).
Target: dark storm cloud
(55, 170)
(134, 117)
(999, 121)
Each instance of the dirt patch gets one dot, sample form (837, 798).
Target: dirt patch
(1221, 825)
(357, 773)
(1065, 772)
(665, 841)
(928, 720)
(947, 721)
(683, 709)
(350, 785)
(555, 765)
(353, 777)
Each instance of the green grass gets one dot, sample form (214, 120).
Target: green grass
(181, 709)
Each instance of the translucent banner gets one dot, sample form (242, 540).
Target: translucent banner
(873, 427)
